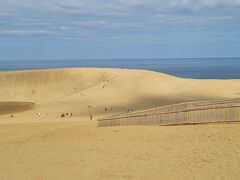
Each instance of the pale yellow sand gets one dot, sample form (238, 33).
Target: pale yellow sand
(50, 147)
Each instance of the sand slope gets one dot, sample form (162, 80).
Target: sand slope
(50, 147)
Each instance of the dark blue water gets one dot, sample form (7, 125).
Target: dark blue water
(226, 68)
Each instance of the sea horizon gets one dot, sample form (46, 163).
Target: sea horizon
(196, 68)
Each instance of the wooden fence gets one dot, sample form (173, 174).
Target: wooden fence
(227, 110)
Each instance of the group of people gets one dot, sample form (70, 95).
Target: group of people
(62, 115)
(66, 114)
(106, 109)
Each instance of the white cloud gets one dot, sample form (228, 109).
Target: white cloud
(24, 32)
(80, 17)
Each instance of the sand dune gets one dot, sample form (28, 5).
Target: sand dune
(50, 147)
(64, 90)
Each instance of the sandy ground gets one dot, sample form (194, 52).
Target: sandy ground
(50, 147)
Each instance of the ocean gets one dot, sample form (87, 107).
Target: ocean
(200, 68)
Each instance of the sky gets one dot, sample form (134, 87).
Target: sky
(118, 29)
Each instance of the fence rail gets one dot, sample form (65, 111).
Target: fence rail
(182, 113)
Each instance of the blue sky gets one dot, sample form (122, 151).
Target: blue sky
(107, 29)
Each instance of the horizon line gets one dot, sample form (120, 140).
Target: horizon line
(162, 58)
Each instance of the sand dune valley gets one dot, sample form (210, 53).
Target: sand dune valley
(37, 143)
